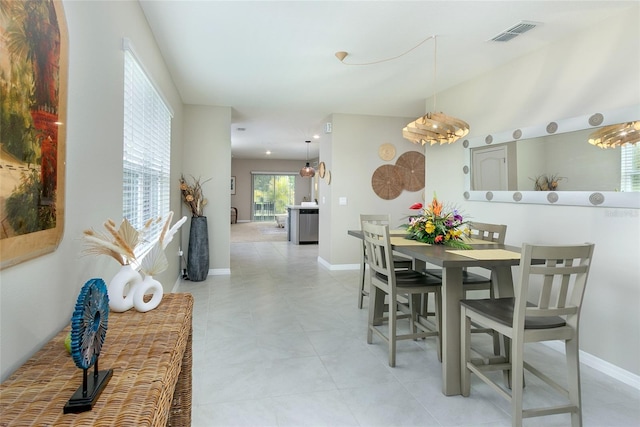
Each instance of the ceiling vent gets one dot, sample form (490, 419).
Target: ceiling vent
(514, 31)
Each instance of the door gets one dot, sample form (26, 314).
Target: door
(489, 166)
(271, 195)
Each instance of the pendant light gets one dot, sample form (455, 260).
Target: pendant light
(435, 127)
(307, 171)
(616, 135)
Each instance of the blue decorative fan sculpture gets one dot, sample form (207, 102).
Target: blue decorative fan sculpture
(88, 331)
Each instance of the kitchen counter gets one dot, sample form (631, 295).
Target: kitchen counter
(303, 223)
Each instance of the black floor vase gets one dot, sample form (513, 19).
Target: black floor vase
(198, 255)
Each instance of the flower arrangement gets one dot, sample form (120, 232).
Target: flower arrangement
(192, 195)
(437, 225)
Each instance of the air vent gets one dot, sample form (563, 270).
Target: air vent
(514, 31)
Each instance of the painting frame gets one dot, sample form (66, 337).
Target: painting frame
(50, 127)
(233, 185)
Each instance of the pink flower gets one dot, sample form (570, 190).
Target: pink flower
(416, 206)
(439, 238)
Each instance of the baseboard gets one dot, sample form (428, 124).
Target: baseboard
(336, 267)
(600, 365)
(212, 272)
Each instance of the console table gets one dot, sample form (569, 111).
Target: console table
(150, 354)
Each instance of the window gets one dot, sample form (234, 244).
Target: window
(272, 194)
(630, 167)
(147, 151)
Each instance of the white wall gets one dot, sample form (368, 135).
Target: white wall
(37, 297)
(352, 157)
(593, 71)
(207, 155)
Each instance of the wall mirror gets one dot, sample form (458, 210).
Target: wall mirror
(506, 166)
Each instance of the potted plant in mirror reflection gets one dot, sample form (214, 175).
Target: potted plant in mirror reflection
(438, 225)
(547, 182)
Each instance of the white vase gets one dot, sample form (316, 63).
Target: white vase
(121, 288)
(148, 286)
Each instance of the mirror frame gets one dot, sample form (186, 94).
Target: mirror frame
(565, 198)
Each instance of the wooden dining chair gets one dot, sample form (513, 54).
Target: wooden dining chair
(386, 281)
(560, 274)
(399, 262)
(492, 233)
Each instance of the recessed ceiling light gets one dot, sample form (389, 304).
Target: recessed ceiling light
(316, 136)
(268, 152)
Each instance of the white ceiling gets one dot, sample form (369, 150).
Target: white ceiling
(273, 61)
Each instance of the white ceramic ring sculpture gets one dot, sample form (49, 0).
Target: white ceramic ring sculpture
(121, 288)
(148, 285)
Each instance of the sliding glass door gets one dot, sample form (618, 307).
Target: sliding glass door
(271, 195)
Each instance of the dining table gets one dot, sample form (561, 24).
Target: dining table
(498, 258)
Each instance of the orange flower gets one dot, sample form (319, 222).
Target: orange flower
(436, 207)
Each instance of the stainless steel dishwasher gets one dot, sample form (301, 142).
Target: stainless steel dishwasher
(308, 226)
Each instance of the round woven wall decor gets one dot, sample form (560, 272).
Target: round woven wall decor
(387, 152)
(411, 166)
(386, 182)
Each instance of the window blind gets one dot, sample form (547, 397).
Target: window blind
(147, 152)
(630, 167)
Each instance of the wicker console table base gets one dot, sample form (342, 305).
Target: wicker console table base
(150, 354)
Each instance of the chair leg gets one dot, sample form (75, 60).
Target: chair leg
(392, 335)
(496, 343)
(573, 368)
(376, 300)
(424, 306)
(465, 349)
(361, 291)
(506, 352)
(414, 304)
(517, 378)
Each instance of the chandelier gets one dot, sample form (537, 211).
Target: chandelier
(434, 127)
(616, 135)
(307, 171)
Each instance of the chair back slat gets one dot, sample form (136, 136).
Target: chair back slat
(379, 219)
(490, 232)
(563, 271)
(379, 253)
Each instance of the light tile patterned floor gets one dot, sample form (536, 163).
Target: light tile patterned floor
(281, 342)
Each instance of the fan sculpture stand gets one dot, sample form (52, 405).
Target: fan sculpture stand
(87, 394)
(88, 330)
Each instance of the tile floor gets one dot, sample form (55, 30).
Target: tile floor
(281, 342)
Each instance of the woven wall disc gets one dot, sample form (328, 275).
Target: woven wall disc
(387, 182)
(387, 152)
(411, 166)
